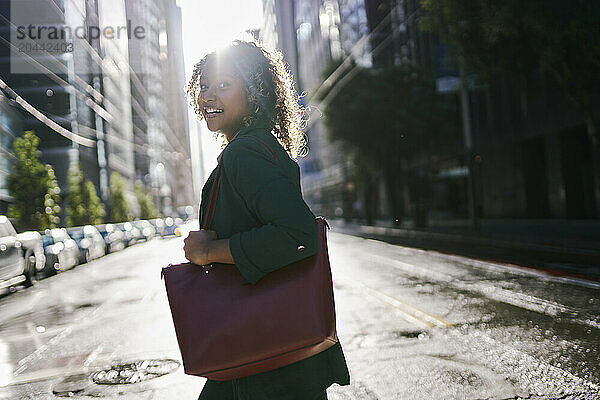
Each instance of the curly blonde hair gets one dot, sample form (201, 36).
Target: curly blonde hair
(270, 91)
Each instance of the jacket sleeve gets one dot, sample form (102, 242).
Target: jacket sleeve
(287, 232)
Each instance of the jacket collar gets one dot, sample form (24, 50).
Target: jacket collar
(242, 132)
(248, 129)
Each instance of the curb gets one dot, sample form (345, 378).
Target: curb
(412, 237)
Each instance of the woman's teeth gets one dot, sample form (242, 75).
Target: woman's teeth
(212, 110)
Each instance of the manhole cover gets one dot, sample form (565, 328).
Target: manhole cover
(134, 372)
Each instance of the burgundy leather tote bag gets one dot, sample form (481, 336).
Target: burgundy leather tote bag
(227, 329)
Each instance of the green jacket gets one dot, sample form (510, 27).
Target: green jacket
(260, 206)
(260, 209)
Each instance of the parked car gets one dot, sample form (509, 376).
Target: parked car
(62, 252)
(146, 228)
(51, 260)
(13, 268)
(172, 226)
(114, 238)
(186, 212)
(90, 242)
(33, 247)
(159, 226)
(132, 234)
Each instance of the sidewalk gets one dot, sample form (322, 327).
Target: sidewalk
(562, 247)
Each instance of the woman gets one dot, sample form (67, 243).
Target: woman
(261, 223)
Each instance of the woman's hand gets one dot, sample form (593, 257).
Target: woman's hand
(197, 246)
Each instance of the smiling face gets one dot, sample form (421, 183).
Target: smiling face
(222, 98)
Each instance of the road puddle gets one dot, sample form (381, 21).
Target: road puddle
(50, 317)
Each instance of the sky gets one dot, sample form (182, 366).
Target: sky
(206, 25)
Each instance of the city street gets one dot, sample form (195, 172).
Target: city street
(414, 324)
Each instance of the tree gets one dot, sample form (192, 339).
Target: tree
(50, 218)
(384, 117)
(96, 207)
(33, 187)
(523, 38)
(147, 208)
(84, 205)
(119, 209)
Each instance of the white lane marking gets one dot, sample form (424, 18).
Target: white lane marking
(43, 375)
(93, 355)
(521, 300)
(528, 302)
(516, 269)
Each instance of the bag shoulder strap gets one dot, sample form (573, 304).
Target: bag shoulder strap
(212, 202)
(210, 211)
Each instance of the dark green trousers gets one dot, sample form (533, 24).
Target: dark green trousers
(307, 379)
(227, 390)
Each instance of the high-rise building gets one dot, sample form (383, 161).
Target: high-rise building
(277, 31)
(106, 91)
(10, 128)
(116, 76)
(179, 164)
(158, 105)
(307, 32)
(71, 90)
(354, 26)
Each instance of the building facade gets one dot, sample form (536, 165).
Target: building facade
(105, 94)
(507, 150)
(10, 128)
(531, 156)
(307, 33)
(162, 155)
(179, 163)
(55, 84)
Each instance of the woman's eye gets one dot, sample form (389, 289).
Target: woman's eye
(203, 88)
(223, 85)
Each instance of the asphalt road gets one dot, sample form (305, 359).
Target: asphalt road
(414, 324)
